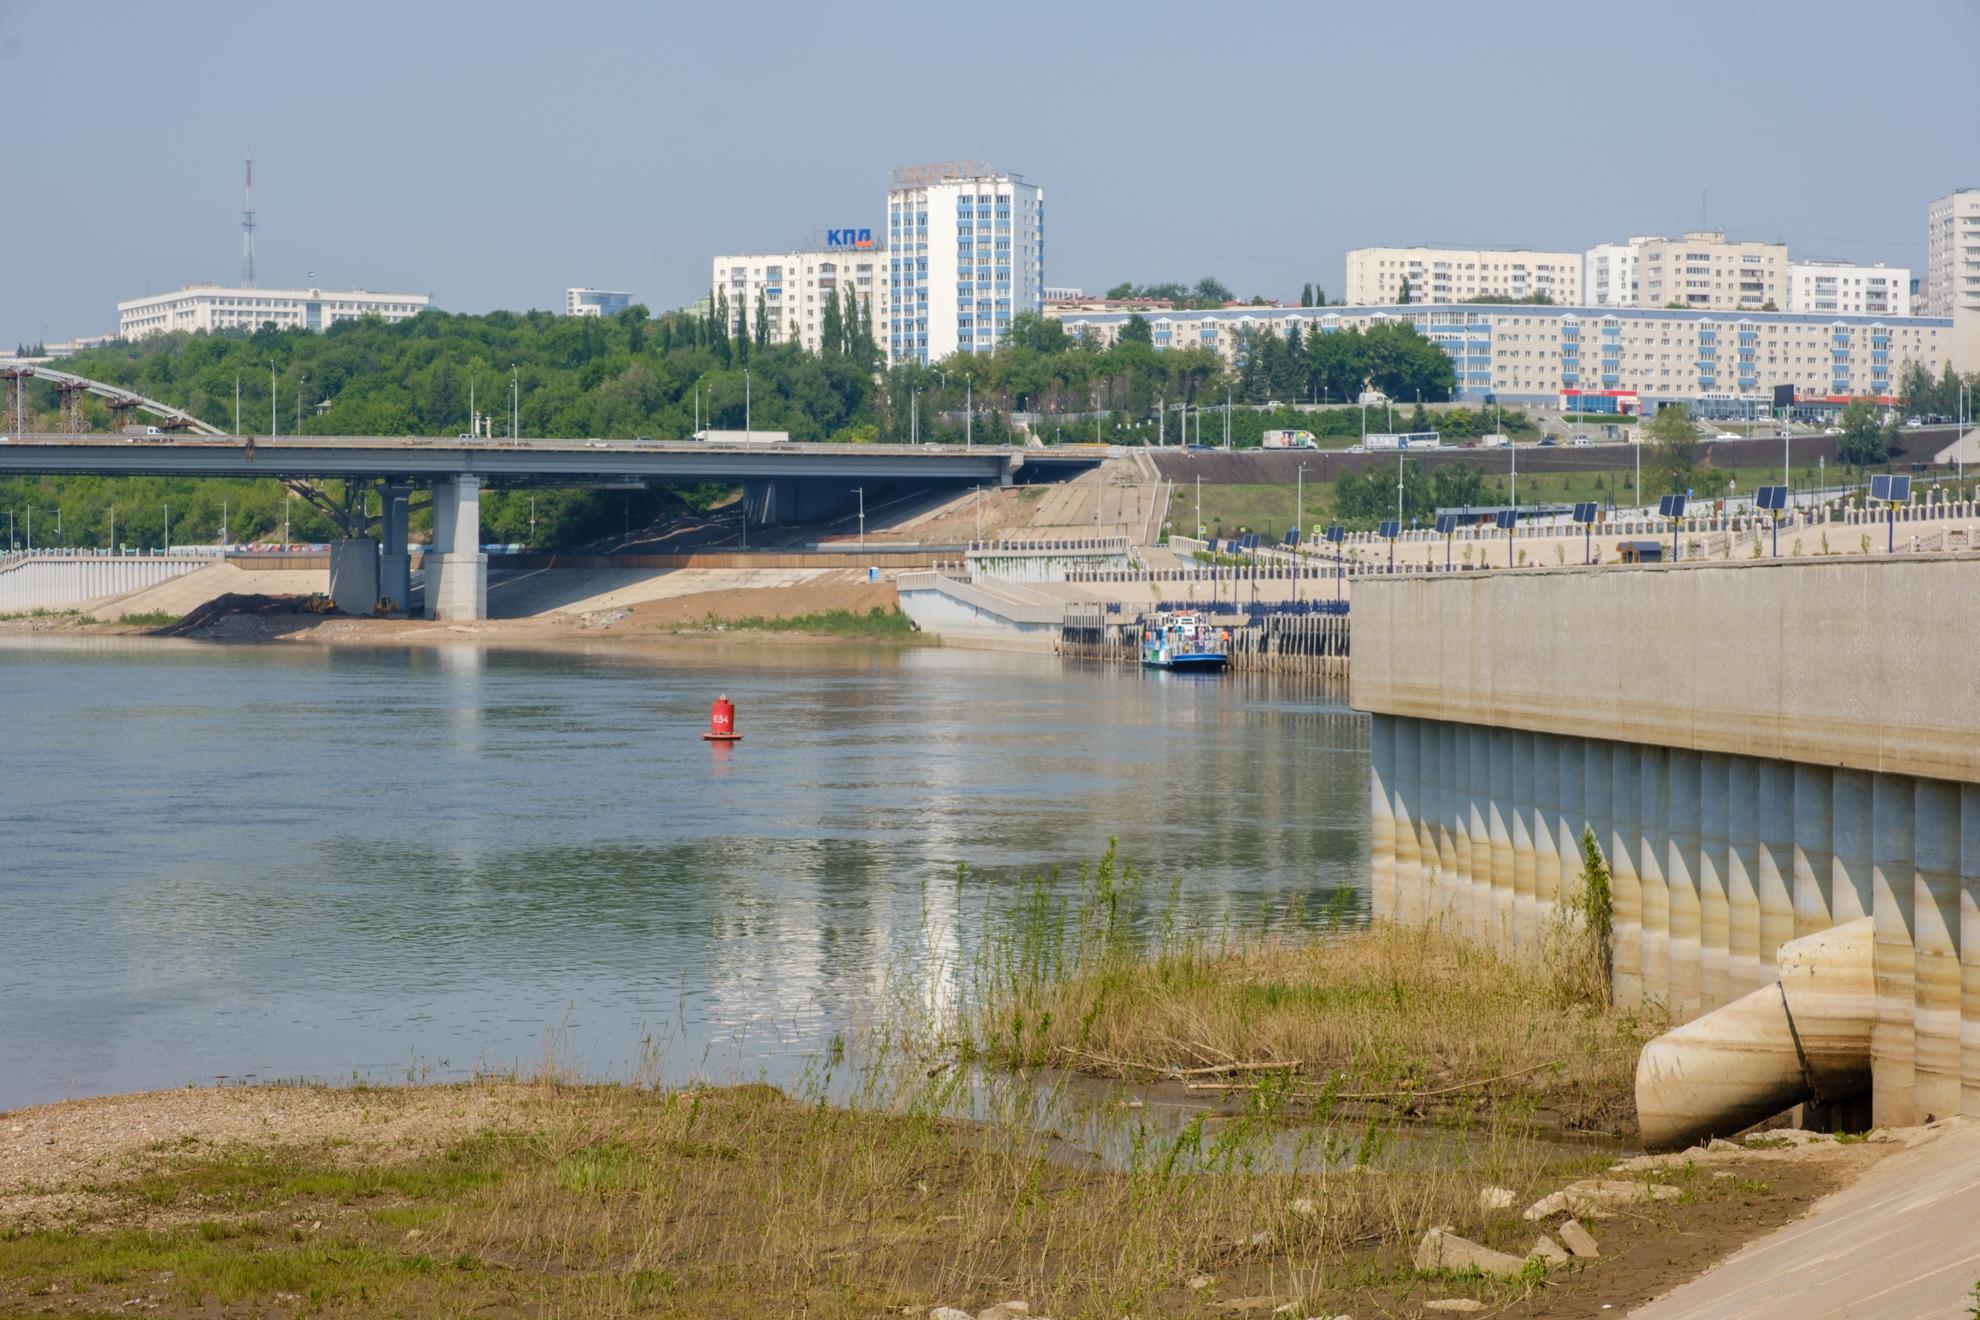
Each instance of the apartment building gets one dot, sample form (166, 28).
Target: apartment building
(968, 254)
(1608, 273)
(1841, 286)
(1706, 271)
(1376, 275)
(211, 307)
(794, 287)
(596, 302)
(1952, 253)
(1529, 353)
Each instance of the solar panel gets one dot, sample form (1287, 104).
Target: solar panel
(1211, 545)
(1771, 497)
(1506, 519)
(1292, 536)
(1389, 530)
(1900, 490)
(1337, 533)
(1585, 513)
(1670, 506)
(1880, 489)
(1446, 523)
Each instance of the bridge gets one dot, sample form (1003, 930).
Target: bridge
(781, 482)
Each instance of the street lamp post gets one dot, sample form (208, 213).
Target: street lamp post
(861, 492)
(1299, 522)
(515, 406)
(273, 426)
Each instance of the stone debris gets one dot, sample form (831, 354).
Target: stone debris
(1578, 1240)
(1259, 1303)
(1791, 1136)
(1445, 1250)
(949, 1313)
(1458, 1305)
(1261, 1239)
(1198, 1282)
(1496, 1198)
(1006, 1311)
(1593, 1196)
(1720, 1146)
(1545, 1248)
(1304, 1207)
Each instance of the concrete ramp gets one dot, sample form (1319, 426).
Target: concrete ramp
(182, 595)
(521, 593)
(1900, 1241)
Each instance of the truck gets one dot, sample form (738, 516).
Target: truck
(1406, 440)
(1289, 440)
(743, 437)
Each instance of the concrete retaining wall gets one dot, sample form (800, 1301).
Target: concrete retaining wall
(60, 582)
(1760, 753)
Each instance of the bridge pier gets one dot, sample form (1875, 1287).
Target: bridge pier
(456, 570)
(395, 558)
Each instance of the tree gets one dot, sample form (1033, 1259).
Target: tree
(762, 322)
(1211, 293)
(1136, 330)
(1038, 333)
(1306, 295)
(1402, 294)
(1319, 296)
(832, 337)
(1673, 441)
(1864, 441)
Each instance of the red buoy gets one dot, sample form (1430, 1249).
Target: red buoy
(722, 721)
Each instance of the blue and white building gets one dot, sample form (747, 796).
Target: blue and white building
(967, 249)
(595, 302)
(1532, 353)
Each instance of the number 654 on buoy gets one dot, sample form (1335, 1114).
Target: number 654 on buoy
(722, 721)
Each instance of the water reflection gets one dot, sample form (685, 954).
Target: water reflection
(294, 861)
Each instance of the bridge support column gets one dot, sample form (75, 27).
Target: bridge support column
(1571, 814)
(1743, 974)
(1774, 881)
(1461, 831)
(1893, 884)
(1849, 834)
(457, 571)
(1381, 818)
(1450, 889)
(1969, 949)
(1652, 815)
(1526, 926)
(1596, 797)
(1935, 971)
(1714, 983)
(1625, 770)
(1478, 789)
(394, 559)
(1546, 832)
(1814, 800)
(1404, 802)
(1681, 882)
(1498, 809)
(1429, 812)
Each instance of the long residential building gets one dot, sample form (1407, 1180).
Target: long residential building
(1376, 275)
(792, 288)
(1533, 353)
(212, 307)
(1706, 271)
(968, 249)
(1952, 253)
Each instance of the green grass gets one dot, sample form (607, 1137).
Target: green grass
(151, 619)
(880, 621)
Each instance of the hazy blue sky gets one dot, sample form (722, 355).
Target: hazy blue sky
(492, 154)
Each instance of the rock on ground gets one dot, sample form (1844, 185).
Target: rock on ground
(1593, 1196)
(1545, 1248)
(1495, 1198)
(1443, 1249)
(1578, 1239)
(1460, 1305)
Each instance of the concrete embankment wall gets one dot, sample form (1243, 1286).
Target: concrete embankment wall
(59, 582)
(1760, 751)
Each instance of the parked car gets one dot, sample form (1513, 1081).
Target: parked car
(1726, 435)
(1832, 430)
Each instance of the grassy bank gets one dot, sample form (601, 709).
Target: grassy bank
(879, 622)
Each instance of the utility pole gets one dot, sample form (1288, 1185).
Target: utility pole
(515, 406)
(746, 426)
(861, 492)
(273, 420)
(969, 434)
(300, 384)
(237, 400)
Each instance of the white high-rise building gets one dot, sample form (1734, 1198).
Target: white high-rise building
(1608, 273)
(595, 302)
(792, 289)
(1952, 253)
(968, 254)
(1842, 286)
(1706, 271)
(212, 307)
(1376, 275)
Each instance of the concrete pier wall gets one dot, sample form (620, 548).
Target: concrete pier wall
(59, 581)
(1760, 753)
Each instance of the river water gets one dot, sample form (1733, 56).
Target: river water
(312, 862)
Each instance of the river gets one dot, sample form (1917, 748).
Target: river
(292, 861)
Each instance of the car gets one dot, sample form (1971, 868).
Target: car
(596, 444)
(1548, 441)
(1581, 440)
(1832, 430)
(1726, 435)
(1914, 421)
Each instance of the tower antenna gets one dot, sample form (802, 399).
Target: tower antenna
(247, 225)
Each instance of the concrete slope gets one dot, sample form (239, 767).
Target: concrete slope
(1904, 1240)
(518, 594)
(184, 594)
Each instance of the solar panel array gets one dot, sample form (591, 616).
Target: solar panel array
(1506, 519)
(1890, 489)
(1446, 523)
(1337, 533)
(1292, 536)
(1585, 513)
(1390, 529)
(1671, 506)
(1771, 497)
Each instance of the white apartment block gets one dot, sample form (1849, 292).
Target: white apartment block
(1527, 353)
(1375, 275)
(1707, 272)
(1841, 286)
(595, 302)
(1952, 253)
(795, 286)
(968, 251)
(1608, 273)
(213, 307)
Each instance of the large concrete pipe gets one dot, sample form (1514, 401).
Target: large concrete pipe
(1806, 1037)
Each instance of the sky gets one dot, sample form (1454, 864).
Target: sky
(493, 154)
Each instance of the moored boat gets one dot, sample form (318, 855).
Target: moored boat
(1182, 642)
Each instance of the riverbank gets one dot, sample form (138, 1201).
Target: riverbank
(544, 1198)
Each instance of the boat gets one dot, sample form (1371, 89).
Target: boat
(1182, 643)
